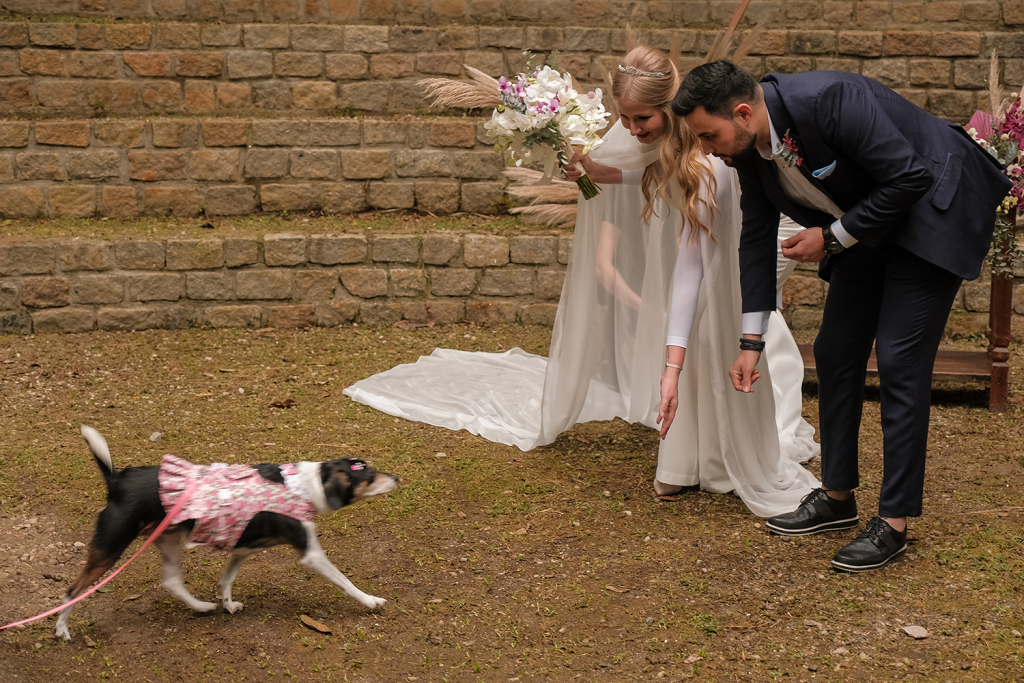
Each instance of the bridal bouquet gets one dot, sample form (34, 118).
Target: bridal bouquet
(537, 116)
(1001, 134)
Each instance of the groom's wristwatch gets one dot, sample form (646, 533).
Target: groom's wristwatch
(832, 244)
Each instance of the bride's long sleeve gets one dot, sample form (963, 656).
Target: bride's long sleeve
(686, 279)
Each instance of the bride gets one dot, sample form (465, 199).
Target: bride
(633, 255)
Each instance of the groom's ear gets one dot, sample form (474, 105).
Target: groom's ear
(742, 113)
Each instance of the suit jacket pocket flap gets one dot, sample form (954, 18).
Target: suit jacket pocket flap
(946, 186)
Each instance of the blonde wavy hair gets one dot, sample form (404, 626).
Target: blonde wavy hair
(681, 156)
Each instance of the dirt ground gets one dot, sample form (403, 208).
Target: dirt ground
(498, 565)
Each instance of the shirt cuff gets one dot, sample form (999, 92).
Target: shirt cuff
(845, 238)
(755, 323)
(677, 341)
(634, 176)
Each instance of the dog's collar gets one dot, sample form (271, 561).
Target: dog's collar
(313, 486)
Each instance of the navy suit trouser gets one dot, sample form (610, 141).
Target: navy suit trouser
(891, 298)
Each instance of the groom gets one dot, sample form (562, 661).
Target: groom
(898, 208)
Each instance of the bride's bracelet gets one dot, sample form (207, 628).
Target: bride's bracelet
(751, 344)
(673, 365)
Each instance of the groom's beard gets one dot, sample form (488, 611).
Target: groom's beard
(743, 146)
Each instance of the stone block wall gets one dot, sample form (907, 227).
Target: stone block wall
(281, 280)
(62, 70)
(234, 166)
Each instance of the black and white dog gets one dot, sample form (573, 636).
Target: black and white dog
(134, 508)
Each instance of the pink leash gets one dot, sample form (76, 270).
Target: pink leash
(185, 495)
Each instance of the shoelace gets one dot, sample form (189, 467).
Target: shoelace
(874, 529)
(813, 496)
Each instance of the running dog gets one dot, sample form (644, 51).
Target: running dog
(241, 508)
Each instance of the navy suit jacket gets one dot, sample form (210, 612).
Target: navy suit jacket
(901, 174)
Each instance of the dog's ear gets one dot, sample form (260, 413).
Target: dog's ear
(337, 481)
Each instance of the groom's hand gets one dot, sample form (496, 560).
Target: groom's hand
(743, 372)
(807, 246)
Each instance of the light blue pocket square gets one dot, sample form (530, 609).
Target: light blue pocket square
(825, 171)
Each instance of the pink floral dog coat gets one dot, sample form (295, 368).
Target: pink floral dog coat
(228, 497)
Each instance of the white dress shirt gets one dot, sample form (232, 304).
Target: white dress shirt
(799, 190)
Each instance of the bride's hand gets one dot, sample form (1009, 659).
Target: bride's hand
(599, 173)
(669, 400)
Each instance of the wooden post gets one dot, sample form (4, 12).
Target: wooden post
(999, 317)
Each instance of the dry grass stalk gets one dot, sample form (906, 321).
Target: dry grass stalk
(553, 204)
(562, 215)
(481, 92)
(748, 42)
(720, 48)
(995, 92)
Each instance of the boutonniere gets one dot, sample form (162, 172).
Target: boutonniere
(789, 151)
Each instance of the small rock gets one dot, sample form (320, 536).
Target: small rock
(607, 494)
(79, 544)
(38, 646)
(155, 436)
(440, 455)
(463, 559)
(89, 642)
(692, 658)
(917, 632)
(650, 620)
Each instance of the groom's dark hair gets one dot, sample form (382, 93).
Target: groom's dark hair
(716, 86)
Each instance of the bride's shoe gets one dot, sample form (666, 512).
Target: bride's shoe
(661, 489)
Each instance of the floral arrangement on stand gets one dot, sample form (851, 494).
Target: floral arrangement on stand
(1001, 134)
(537, 116)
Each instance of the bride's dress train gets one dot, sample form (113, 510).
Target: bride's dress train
(607, 354)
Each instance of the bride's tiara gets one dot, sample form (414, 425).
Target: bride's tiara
(633, 71)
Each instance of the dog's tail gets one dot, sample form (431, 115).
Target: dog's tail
(98, 446)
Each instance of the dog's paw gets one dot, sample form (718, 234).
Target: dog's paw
(204, 606)
(63, 632)
(374, 603)
(231, 606)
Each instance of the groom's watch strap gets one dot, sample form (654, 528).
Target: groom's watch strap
(751, 344)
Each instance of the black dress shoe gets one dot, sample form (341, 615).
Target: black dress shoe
(877, 546)
(818, 512)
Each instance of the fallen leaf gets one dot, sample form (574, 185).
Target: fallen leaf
(917, 632)
(519, 532)
(287, 403)
(616, 589)
(314, 624)
(103, 589)
(392, 351)
(132, 597)
(435, 600)
(207, 374)
(226, 370)
(812, 623)
(692, 658)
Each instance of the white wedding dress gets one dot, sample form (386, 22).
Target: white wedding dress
(608, 349)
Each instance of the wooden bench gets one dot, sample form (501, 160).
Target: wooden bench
(988, 365)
